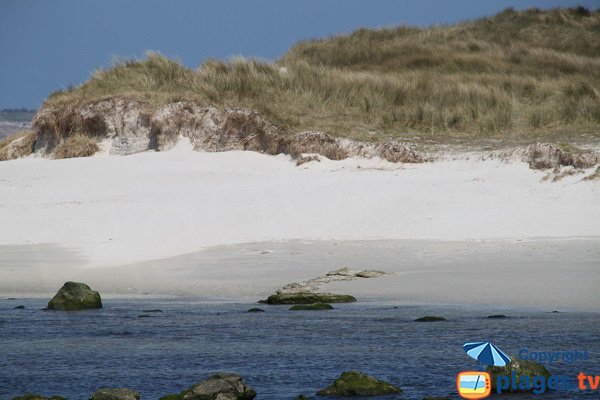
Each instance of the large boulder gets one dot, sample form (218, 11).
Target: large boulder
(521, 368)
(358, 384)
(308, 298)
(75, 296)
(115, 394)
(221, 386)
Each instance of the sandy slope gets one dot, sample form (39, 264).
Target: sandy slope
(116, 210)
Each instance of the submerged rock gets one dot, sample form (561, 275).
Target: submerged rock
(153, 311)
(30, 396)
(356, 383)
(497, 316)
(115, 394)
(308, 298)
(19, 307)
(430, 318)
(314, 306)
(221, 386)
(75, 296)
(254, 309)
(521, 368)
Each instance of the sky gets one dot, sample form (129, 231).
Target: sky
(48, 45)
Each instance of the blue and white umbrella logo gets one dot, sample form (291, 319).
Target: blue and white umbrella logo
(487, 353)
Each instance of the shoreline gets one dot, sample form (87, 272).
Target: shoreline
(423, 272)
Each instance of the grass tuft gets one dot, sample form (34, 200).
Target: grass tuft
(18, 145)
(76, 146)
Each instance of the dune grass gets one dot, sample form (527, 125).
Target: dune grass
(77, 145)
(519, 76)
(16, 146)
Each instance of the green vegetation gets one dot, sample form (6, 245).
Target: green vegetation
(518, 76)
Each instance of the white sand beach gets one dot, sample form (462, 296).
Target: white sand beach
(104, 219)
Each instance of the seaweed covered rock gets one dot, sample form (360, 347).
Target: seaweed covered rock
(115, 394)
(355, 383)
(30, 396)
(221, 386)
(308, 298)
(521, 369)
(75, 296)
(310, 307)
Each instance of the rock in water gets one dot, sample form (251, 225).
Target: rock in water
(314, 306)
(308, 298)
(521, 368)
(115, 394)
(29, 396)
(497, 316)
(256, 310)
(358, 384)
(75, 296)
(221, 386)
(430, 318)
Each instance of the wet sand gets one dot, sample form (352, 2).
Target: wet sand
(544, 274)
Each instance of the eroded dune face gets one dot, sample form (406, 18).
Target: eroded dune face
(133, 127)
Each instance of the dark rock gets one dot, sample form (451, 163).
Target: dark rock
(29, 396)
(221, 386)
(256, 310)
(170, 397)
(19, 307)
(152, 311)
(115, 394)
(496, 316)
(521, 368)
(358, 384)
(314, 306)
(144, 316)
(430, 318)
(308, 298)
(301, 397)
(75, 296)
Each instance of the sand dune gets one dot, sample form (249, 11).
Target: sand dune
(116, 210)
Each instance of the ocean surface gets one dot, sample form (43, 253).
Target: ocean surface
(280, 353)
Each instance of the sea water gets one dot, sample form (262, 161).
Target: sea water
(280, 353)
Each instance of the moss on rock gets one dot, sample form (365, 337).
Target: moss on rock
(314, 306)
(308, 298)
(521, 368)
(75, 296)
(356, 383)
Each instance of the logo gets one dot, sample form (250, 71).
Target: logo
(473, 384)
